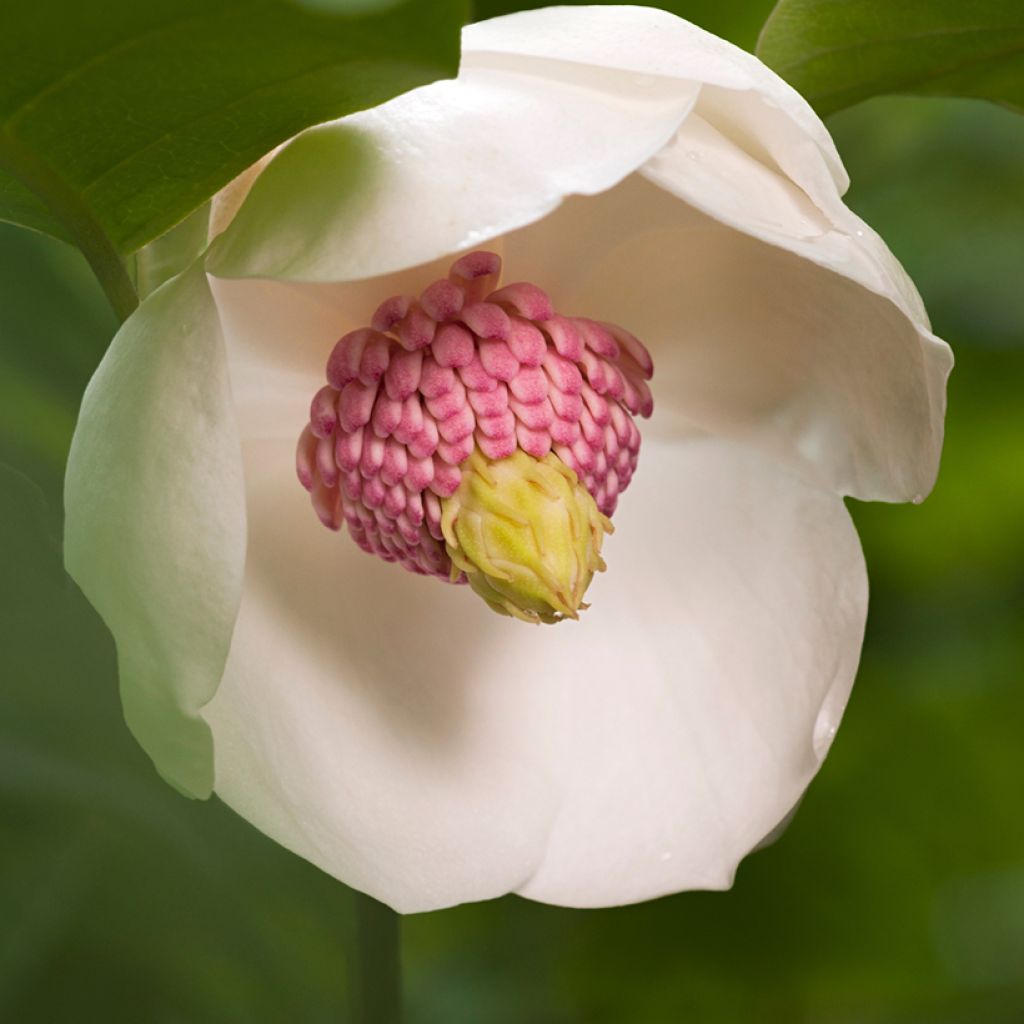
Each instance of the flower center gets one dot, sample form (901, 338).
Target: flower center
(468, 369)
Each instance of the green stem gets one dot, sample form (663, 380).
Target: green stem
(377, 974)
(77, 219)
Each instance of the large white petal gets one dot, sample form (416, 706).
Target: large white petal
(155, 519)
(755, 156)
(647, 42)
(707, 682)
(549, 103)
(750, 340)
(404, 738)
(446, 167)
(717, 165)
(364, 720)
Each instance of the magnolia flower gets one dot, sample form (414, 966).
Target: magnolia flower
(387, 725)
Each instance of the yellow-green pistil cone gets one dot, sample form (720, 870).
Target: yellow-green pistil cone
(526, 533)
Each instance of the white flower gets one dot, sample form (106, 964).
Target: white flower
(390, 728)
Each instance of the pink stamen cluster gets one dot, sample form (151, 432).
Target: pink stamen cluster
(466, 365)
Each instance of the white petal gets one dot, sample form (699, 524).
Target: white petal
(759, 124)
(404, 738)
(749, 340)
(548, 103)
(648, 42)
(446, 167)
(707, 681)
(155, 524)
(361, 721)
(718, 166)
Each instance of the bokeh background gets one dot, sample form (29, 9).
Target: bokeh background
(895, 897)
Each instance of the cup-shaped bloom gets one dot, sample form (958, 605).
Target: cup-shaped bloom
(388, 726)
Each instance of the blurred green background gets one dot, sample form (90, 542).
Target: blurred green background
(897, 895)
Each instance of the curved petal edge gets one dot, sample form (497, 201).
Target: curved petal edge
(155, 519)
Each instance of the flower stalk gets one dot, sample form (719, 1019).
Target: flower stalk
(376, 979)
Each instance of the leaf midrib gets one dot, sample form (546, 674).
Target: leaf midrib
(74, 214)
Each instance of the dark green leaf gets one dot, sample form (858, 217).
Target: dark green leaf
(838, 52)
(123, 117)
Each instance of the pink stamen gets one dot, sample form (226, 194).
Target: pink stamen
(564, 431)
(497, 447)
(454, 452)
(476, 377)
(502, 425)
(373, 456)
(527, 343)
(390, 312)
(436, 380)
(597, 339)
(403, 374)
(454, 346)
(387, 414)
(323, 415)
(458, 425)
(527, 300)
(538, 416)
(416, 331)
(410, 426)
(326, 466)
(534, 442)
(564, 337)
(476, 274)
(343, 364)
(530, 385)
(355, 405)
(465, 365)
(497, 359)
(425, 442)
(374, 360)
(305, 456)
(396, 462)
(442, 300)
(489, 403)
(487, 320)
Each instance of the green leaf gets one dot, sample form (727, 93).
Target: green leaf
(838, 52)
(118, 118)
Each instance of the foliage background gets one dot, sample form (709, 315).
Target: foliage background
(896, 896)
